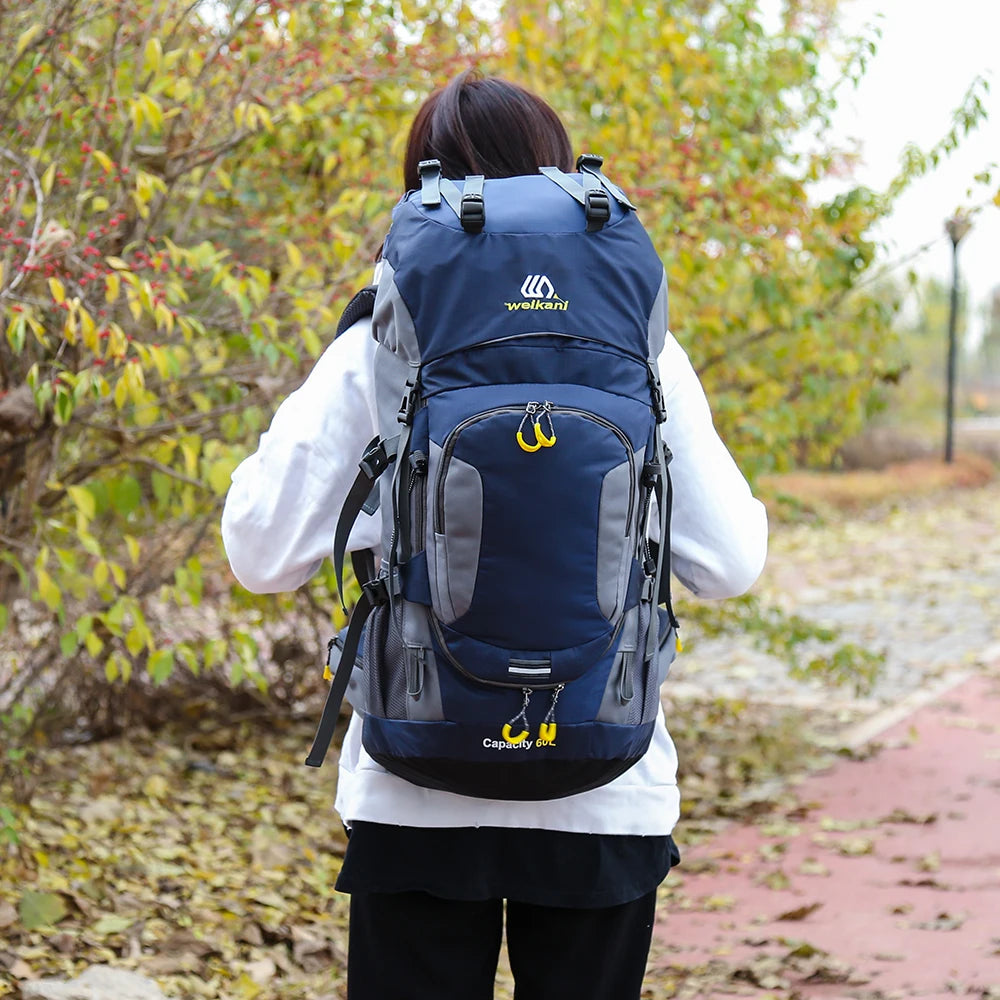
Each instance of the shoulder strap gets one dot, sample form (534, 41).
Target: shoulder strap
(363, 304)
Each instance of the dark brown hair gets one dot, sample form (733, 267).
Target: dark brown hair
(485, 125)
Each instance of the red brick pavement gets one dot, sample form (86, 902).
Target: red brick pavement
(889, 885)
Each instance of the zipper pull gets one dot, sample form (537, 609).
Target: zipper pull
(415, 659)
(327, 672)
(529, 414)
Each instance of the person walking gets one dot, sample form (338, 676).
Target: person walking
(435, 877)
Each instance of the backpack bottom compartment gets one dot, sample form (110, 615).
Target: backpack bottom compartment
(475, 760)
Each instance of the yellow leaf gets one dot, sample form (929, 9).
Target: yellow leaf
(117, 263)
(156, 786)
(26, 38)
(112, 285)
(153, 56)
(152, 111)
(294, 255)
(100, 204)
(57, 290)
(84, 500)
(104, 160)
(48, 591)
(47, 178)
(94, 643)
(133, 549)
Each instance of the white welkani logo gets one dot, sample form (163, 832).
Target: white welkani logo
(537, 286)
(539, 293)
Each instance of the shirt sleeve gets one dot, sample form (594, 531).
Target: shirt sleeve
(281, 510)
(718, 537)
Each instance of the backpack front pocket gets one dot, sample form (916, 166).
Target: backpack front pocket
(532, 513)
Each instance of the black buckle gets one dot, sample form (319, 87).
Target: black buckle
(408, 405)
(374, 461)
(473, 214)
(598, 208)
(650, 474)
(589, 161)
(377, 591)
(659, 406)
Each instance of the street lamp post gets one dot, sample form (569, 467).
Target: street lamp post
(957, 227)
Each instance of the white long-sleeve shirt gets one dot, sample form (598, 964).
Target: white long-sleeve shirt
(278, 525)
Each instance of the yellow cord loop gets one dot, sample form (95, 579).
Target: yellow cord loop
(520, 738)
(520, 719)
(547, 729)
(534, 412)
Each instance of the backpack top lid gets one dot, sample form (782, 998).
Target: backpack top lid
(557, 253)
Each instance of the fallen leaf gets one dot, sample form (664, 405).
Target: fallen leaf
(41, 909)
(903, 816)
(855, 847)
(21, 970)
(8, 915)
(262, 971)
(929, 863)
(844, 825)
(110, 924)
(800, 913)
(776, 880)
(718, 902)
(810, 866)
(942, 922)
(156, 786)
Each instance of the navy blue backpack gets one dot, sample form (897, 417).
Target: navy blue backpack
(510, 642)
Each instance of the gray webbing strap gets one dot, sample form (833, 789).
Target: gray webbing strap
(664, 504)
(567, 183)
(430, 182)
(587, 191)
(378, 456)
(590, 165)
(453, 195)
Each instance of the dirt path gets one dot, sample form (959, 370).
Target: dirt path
(919, 583)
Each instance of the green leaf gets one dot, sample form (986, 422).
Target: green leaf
(41, 909)
(125, 494)
(161, 665)
(112, 923)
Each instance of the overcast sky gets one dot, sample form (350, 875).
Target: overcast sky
(929, 54)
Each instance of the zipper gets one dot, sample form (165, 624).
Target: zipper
(452, 440)
(453, 660)
(418, 504)
(493, 341)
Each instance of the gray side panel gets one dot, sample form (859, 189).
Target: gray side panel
(614, 707)
(615, 537)
(425, 705)
(457, 551)
(659, 321)
(392, 324)
(390, 372)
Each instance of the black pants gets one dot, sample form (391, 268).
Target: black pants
(414, 946)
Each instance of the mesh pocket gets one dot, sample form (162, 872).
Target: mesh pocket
(646, 707)
(384, 664)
